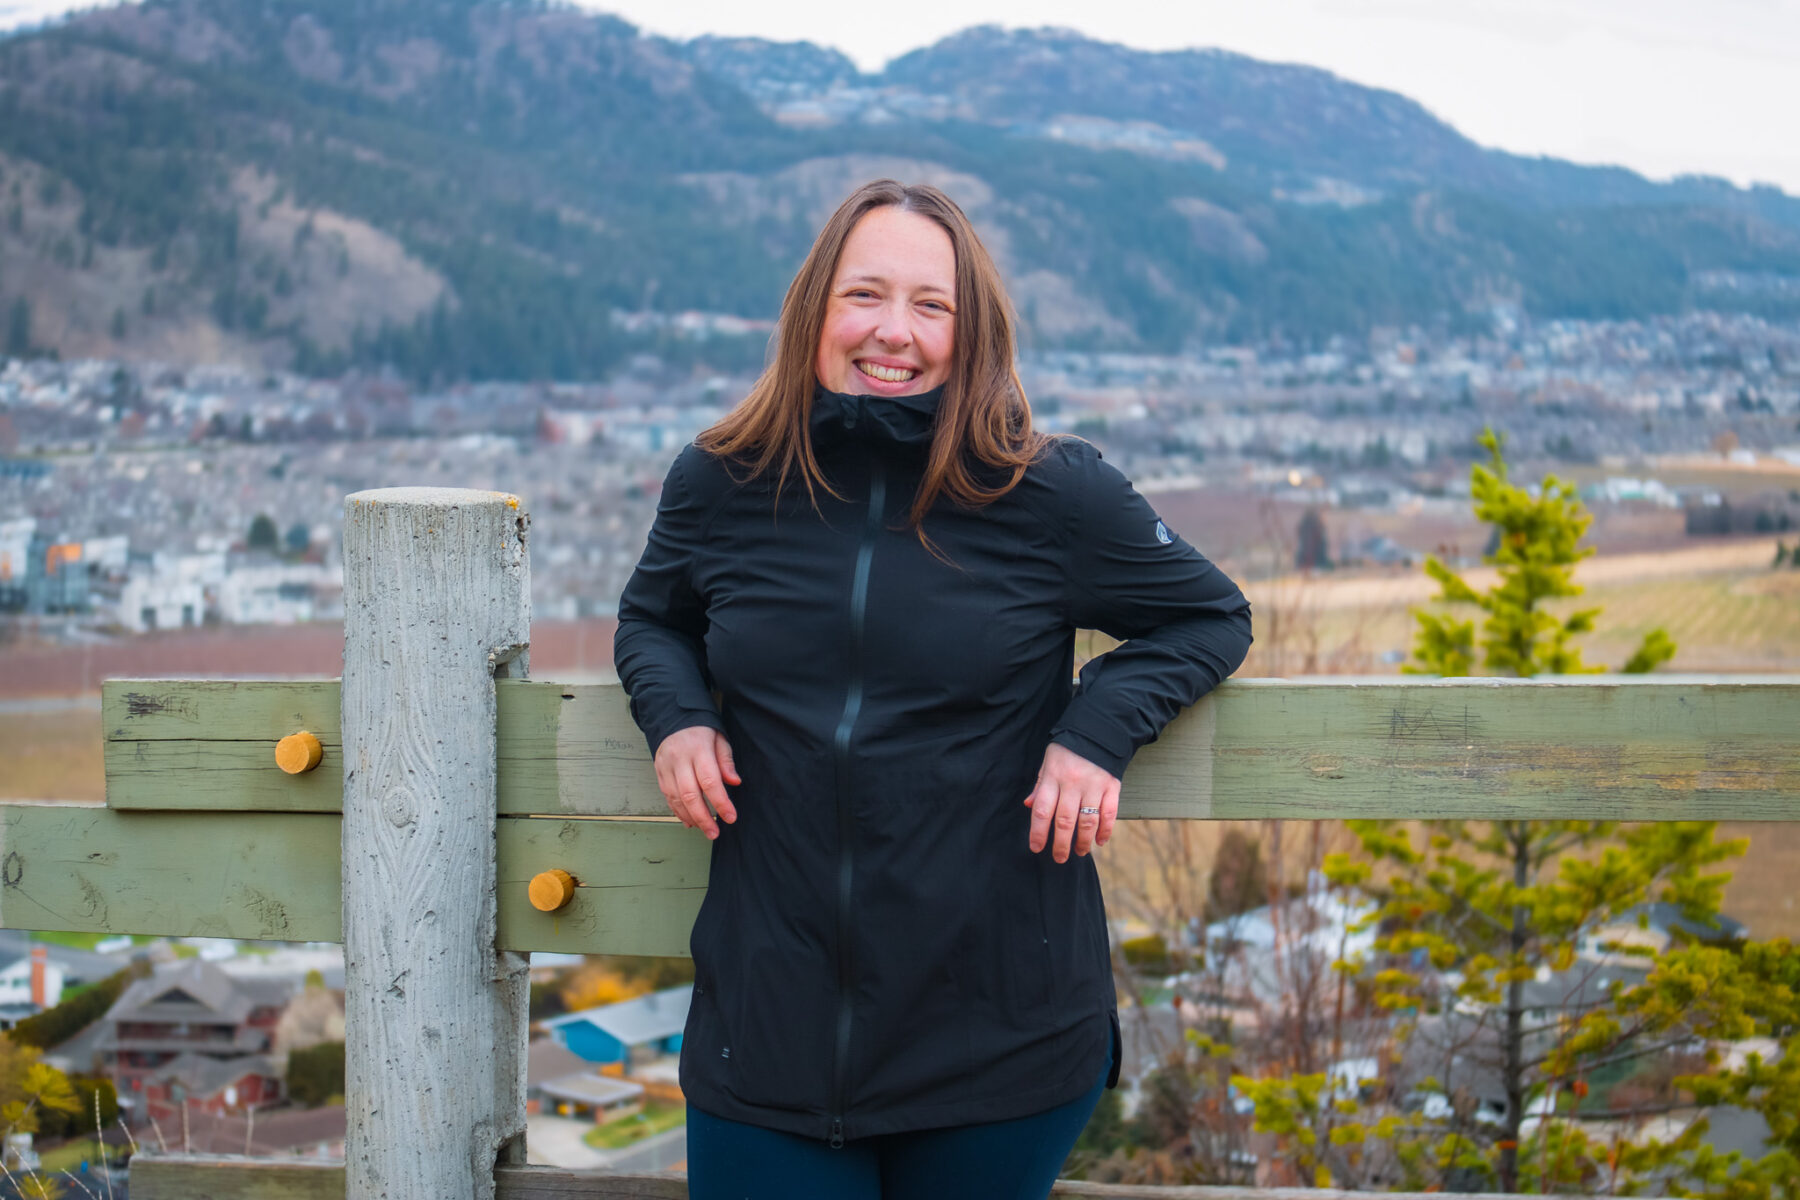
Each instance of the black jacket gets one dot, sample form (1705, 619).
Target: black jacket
(878, 949)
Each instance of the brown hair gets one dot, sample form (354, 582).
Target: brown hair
(983, 417)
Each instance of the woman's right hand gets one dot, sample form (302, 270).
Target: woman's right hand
(693, 765)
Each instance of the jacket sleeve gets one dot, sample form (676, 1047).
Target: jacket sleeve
(1184, 625)
(660, 648)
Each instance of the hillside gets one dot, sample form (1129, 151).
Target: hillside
(472, 189)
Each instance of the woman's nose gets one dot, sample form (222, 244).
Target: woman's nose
(894, 329)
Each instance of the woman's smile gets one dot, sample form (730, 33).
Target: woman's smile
(886, 373)
(890, 320)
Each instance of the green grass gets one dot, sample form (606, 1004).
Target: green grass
(69, 1157)
(84, 941)
(616, 1135)
(76, 941)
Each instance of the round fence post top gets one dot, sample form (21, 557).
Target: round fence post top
(298, 753)
(552, 889)
(433, 497)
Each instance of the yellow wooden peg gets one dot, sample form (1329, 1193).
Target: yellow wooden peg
(298, 753)
(551, 890)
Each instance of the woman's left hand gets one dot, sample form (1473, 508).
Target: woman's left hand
(1068, 783)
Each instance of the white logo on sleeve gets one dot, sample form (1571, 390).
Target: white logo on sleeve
(1162, 533)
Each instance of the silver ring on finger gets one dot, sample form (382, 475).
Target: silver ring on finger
(1088, 812)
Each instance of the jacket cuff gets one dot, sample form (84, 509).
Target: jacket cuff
(1106, 759)
(681, 719)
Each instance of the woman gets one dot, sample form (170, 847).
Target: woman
(902, 982)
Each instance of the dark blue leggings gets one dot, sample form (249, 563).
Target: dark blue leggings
(999, 1160)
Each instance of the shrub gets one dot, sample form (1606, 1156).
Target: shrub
(58, 1024)
(316, 1074)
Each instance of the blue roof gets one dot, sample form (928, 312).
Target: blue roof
(634, 1022)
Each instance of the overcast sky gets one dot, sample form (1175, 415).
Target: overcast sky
(1661, 86)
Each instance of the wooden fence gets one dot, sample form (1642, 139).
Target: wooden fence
(445, 781)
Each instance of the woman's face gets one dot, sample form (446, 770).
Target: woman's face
(890, 321)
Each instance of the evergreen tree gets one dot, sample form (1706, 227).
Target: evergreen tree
(315, 1075)
(18, 328)
(1311, 549)
(263, 534)
(1470, 914)
(1536, 544)
(1239, 881)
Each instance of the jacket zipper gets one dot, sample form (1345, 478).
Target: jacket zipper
(853, 698)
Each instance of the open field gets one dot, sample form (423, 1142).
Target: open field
(1726, 609)
(1691, 470)
(51, 756)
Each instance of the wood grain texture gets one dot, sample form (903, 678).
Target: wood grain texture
(237, 875)
(276, 876)
(574, 750)
(185, 1178)
(1645, 747)
(552, 1183)
(437, 587)
(638, 884)
(155, 710)
(1594, 747)
(195, 775)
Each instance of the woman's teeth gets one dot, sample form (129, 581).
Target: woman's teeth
(886, 374)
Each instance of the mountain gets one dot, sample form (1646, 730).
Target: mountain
(473, 189)
(1289, 124)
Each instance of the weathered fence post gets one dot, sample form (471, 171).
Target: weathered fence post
(437, 590)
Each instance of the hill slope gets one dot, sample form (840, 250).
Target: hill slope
(471, 189)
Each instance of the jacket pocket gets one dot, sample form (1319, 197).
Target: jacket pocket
(1031, 987)
(776, 1048)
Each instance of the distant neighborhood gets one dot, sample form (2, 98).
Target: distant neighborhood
(224, 1047)
(140, 498)
(216, 1046)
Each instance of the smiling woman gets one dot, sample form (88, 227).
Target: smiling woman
(891, 319)
(882, 248)
(903, 987)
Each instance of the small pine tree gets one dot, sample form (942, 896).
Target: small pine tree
(263, 534)
(1311, 550)
(316, 1074)
(18, 328)
(1536, 544)
(1239, 880)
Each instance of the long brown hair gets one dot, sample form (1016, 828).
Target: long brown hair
(983, 418)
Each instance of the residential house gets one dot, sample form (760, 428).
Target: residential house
(1653, 927)
(628, 1032)
(29, 983)
(560, 1081)
(191, 1035)
(1261, 961)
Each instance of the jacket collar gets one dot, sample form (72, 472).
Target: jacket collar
(897, 420)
